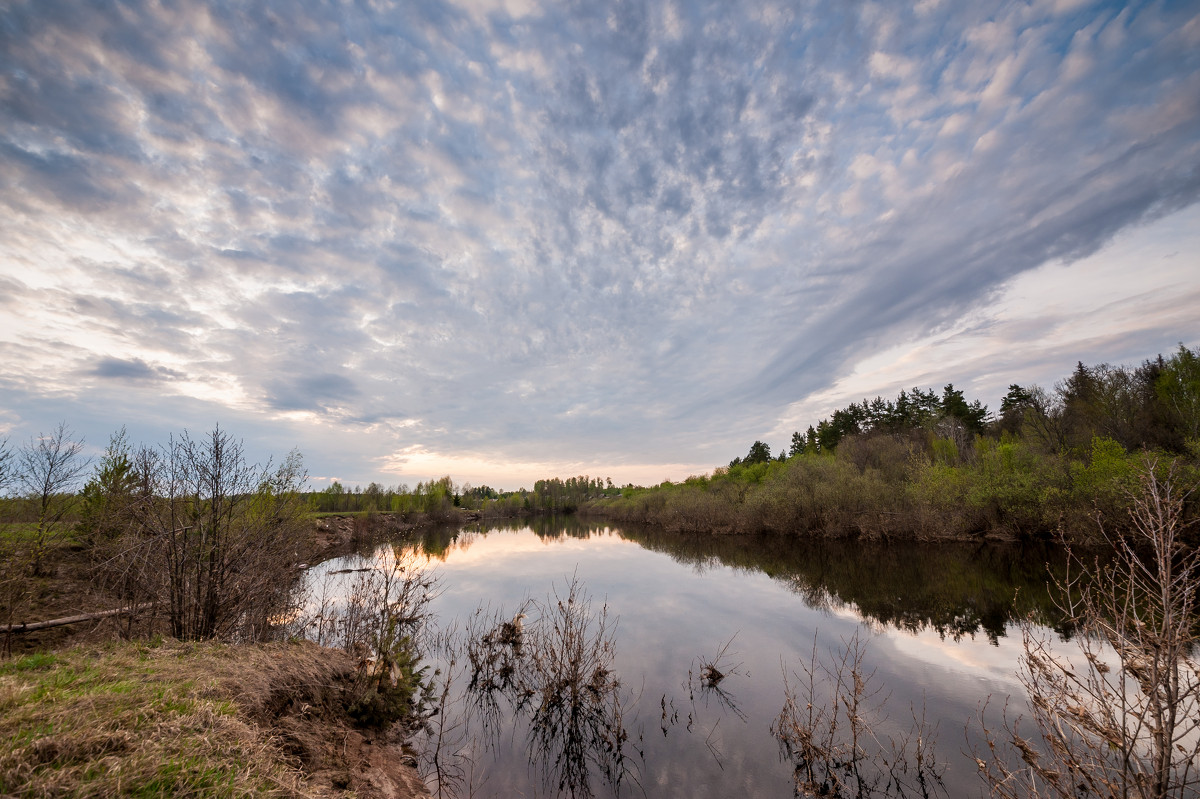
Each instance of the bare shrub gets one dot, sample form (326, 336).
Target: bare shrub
(14, 588)
(711, 508)
(885, 453)
(495, 650)
(706, 681)
(830, 728)
(7, 467)
(1119, 716)
(214, 537)
(576, 724)
(447, 756)
(712, 671)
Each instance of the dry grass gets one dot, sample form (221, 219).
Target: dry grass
(172, 719)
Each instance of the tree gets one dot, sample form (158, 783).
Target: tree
(1178, 388)
(48, 470)
(955, 406)
(1077, 397)
(217, 536)
(108, 496)
(7, 467)
(13, 575)
(373, 496)
(1013, 407)
(811, 445)
(1122, 718)
(798, 444)
(759, 453)
(1045, 420)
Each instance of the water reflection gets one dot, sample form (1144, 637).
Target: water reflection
(547, 695)
(955, 589)
(550, 668)
(827, 730)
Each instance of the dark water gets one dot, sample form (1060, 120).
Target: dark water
(936, 624)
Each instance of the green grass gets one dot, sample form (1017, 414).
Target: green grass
(135, 720)
(39, 660)
(18, 532)
(25, 534)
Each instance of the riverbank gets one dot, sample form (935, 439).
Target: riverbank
(109, 706)
(171, 718)
(338, 533)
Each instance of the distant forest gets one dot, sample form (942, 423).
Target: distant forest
(930, 465)
(445, 498)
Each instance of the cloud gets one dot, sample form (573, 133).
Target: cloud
(311, 392)
(135, 370)
(553, 233)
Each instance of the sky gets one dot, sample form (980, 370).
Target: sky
(505, 240)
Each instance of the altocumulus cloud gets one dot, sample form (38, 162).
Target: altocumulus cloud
(592, 235)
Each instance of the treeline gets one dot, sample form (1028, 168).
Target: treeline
(925, 465)
(439, 498)
(909, 411)
(435, 497)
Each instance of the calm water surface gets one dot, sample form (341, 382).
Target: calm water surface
(937, 622)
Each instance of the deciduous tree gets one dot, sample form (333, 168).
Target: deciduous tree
(48, 470)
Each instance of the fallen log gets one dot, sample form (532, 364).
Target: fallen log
(28, 627)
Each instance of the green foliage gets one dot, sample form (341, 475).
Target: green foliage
(1109, 471)
(939, 494)
(566, 496)
(911, 410)
(799, 444)
(1009, 484)
(1178, 389)
(1102, 483)
(930, 465)
(945, 452)
(108, 496)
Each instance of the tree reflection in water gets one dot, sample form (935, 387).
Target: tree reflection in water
(536, 706)
(550, 665)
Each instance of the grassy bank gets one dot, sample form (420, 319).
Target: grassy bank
(165, 718)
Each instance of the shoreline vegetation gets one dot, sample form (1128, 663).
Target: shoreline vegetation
(206, 690)
(924, 467)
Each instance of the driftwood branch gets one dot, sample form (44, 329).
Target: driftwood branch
(28, 627)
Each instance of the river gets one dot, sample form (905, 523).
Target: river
(686, 642)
